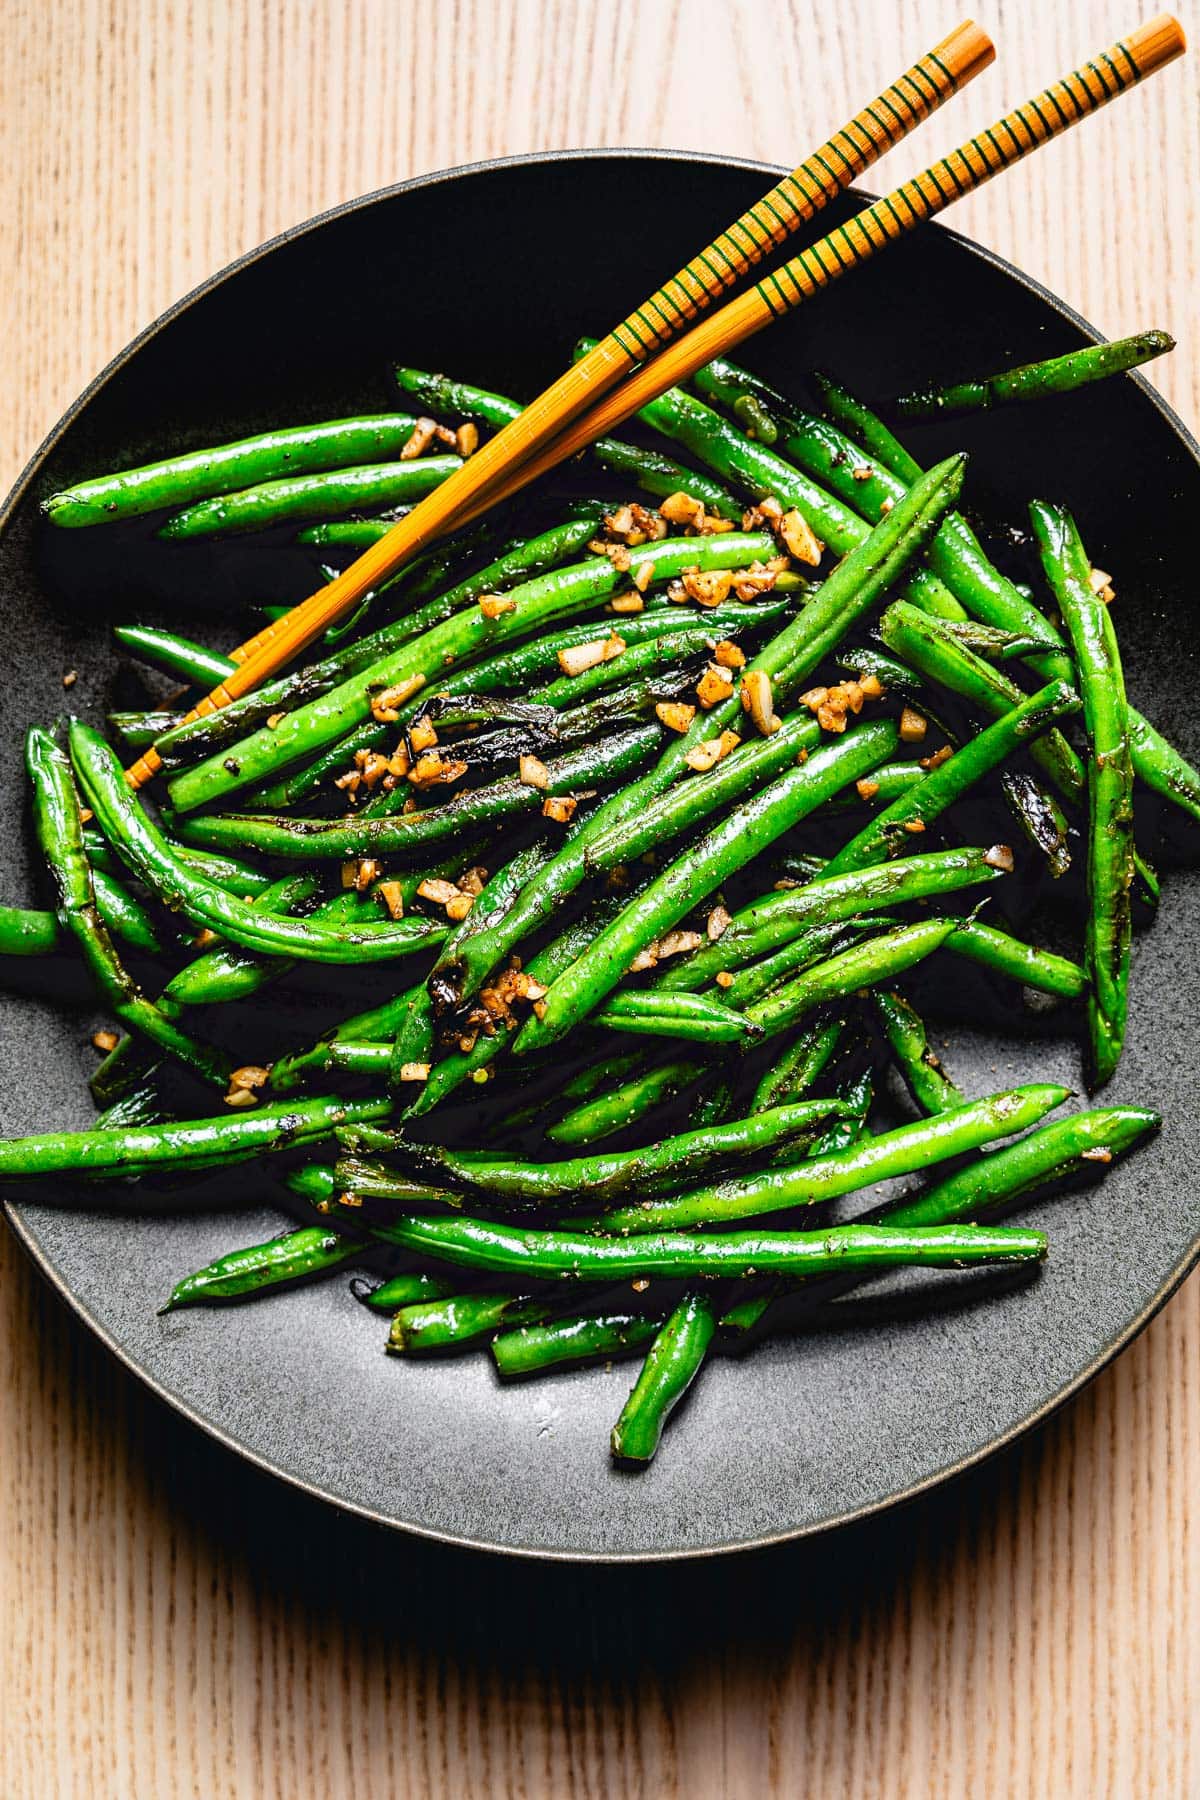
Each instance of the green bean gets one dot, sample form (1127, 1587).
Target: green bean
(28, 932)
(799, 1067)
(759, 975)
(518, 559)
(459, 1320)
(1160, 766)
(201, 737)
(687, 1016)
(227, 972)
(357, 1181)
(141, 1106)
(657, 474)
(866, 428)
(663, 652)
(189, 1145)
(762, 472)
(129, 1073)
(462, 1065)
(758, 409)
(311, 1182)
(625, 1104)
(754, 419)
(586, 1337)
(672, 1364)
(885, 784)
(1001, 645)
(138, 729)
(681, 1016)
(314, 777)
(295, 1256)
(402, 1290)
(789, 657)
(515, 669)
(518, 562)
(193, 739)
(899, 1152)
(223, 871)
(918, 1063)
(865, 659)
(310, 727)
(993, 1179)
(198, 474)
(453, 556)
(59, 830)
(25, 932)
(652, 472)
(385, 834)
(597, 1178)
(988, 594)
(1032, 381)
(455, 399)
(1110, 784)
(299, 497)
(603, 1073)
(921, 641)
(334, 1056)
(776, 918)
(124, 916)
(857, 1096)
(416, 1039)
(752, 1302)
(877, 959)
(956, 559)
(414, 1035)
(352, 534)
(143, 846)
(1008, 956)
(177, 655)
(1000, 1176)
(1004, 605)
(574, 1255)
(686, 804)
(1039, 815)
(742, 834)
(1024, 723)
(961, 573)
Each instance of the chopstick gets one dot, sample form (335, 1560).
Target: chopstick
(910, 99)
(993, 150)
(1084, 91)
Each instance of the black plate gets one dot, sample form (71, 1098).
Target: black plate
(491, 272)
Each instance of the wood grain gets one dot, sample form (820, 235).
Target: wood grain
(173, 1624)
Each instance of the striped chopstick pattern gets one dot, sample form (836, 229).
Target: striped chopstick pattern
(931, 81)
(910, 99)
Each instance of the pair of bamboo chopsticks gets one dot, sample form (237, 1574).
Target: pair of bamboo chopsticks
(623, 372)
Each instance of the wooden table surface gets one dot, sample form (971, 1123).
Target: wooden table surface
(173, 1623)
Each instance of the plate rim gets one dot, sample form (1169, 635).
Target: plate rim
(14, 1210)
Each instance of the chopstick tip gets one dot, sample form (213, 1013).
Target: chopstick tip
(966, 51)
(1158, 42)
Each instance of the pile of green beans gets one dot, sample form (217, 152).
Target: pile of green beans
(674, 802)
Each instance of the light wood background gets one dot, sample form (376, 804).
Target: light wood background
(173, 1624)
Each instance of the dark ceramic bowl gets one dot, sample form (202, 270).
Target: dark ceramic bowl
(492, 272)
